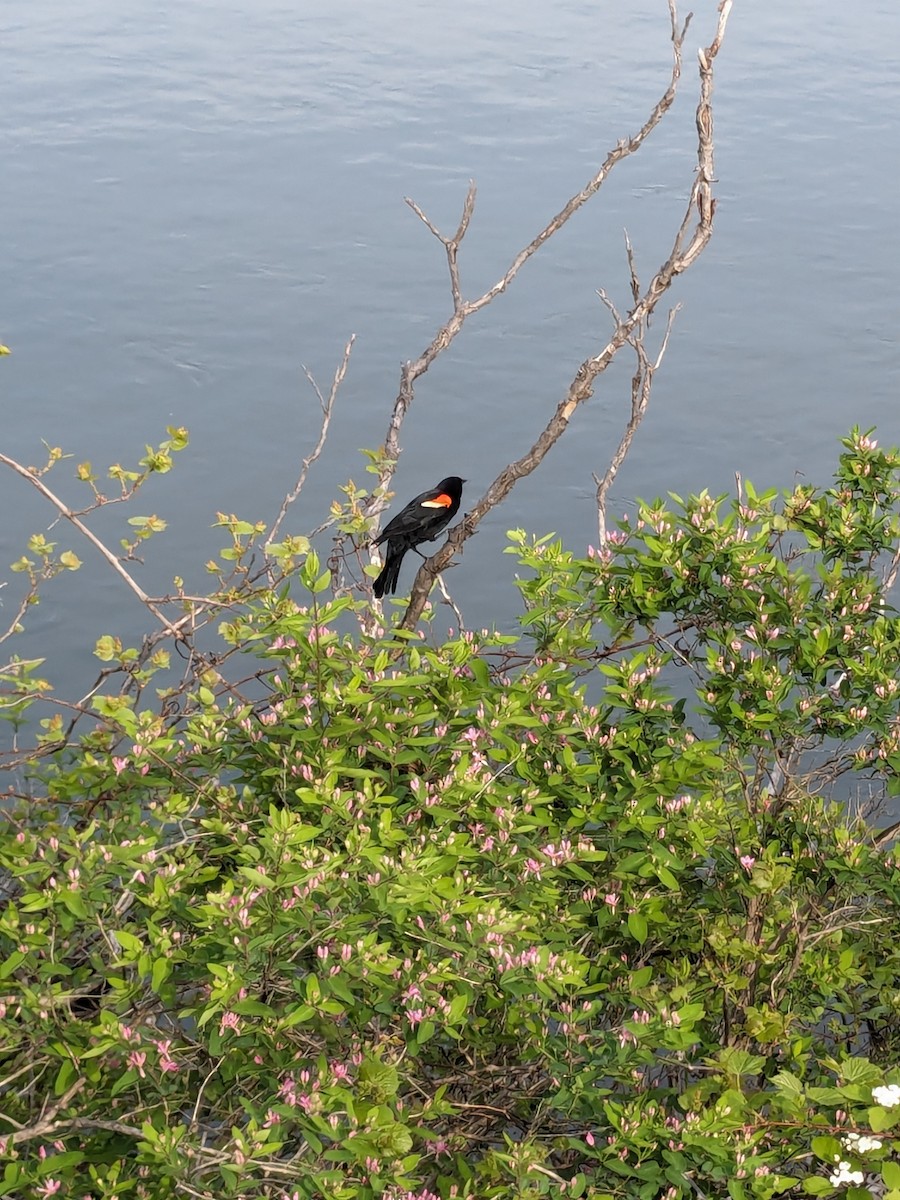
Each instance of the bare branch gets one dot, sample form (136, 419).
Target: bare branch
(890, 575)
(462, 309)
(632, 270)
(15, 625)
(448, 599)
(55, 1129)
(641, 386)
(327, 406)
(690, 240)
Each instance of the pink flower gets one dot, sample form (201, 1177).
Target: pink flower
(166, 1062)
(50, 1188)
(229, 1020)
(612, 899)
(120, 764)
(747, 862)
(589, 1138)
(136, 1059)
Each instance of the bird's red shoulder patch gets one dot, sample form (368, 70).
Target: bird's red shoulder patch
(441, 501)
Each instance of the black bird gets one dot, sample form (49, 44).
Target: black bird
(421, 521)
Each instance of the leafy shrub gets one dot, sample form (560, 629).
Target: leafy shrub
(570, 914)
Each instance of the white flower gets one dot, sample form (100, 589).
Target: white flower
(887, 1097)
(861, 1142)
(843, 1174)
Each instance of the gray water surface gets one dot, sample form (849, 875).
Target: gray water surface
(198, 197)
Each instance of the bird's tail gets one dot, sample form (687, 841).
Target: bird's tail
(390, 572)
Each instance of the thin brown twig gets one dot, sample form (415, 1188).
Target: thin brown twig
(327, 406)
(642, 385)
(448, 599)
(15, 625)
(451, 244)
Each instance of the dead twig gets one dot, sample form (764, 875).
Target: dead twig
(691, 239)
(327, 406)
(463, 309)
(641, 385)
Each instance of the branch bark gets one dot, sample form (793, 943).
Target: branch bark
(463, 309)
(691, 239)
(641, 386)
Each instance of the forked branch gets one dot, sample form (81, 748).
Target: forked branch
(690, 240)
(463, 309)
(327, 406)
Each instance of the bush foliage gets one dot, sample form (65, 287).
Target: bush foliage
(586, 911)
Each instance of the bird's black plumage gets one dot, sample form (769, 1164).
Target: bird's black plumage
(421, 521)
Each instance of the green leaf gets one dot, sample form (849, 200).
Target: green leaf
(162, 968)
(73, 901)
(258, 878)
(107, 648)
(788, 1085)
(380, 1075)
(857, 1070)
(667, 879)
(298, 1016)
(880, 1119)
(458, 1006)
(890, 1173)
(393, 1140)
(637, 926)
(128, 941)
(827, 1150)
(64, 1077)
(425, 1032)
(123, 1082)
(15, 960)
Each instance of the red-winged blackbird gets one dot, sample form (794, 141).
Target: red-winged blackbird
(421, 521)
